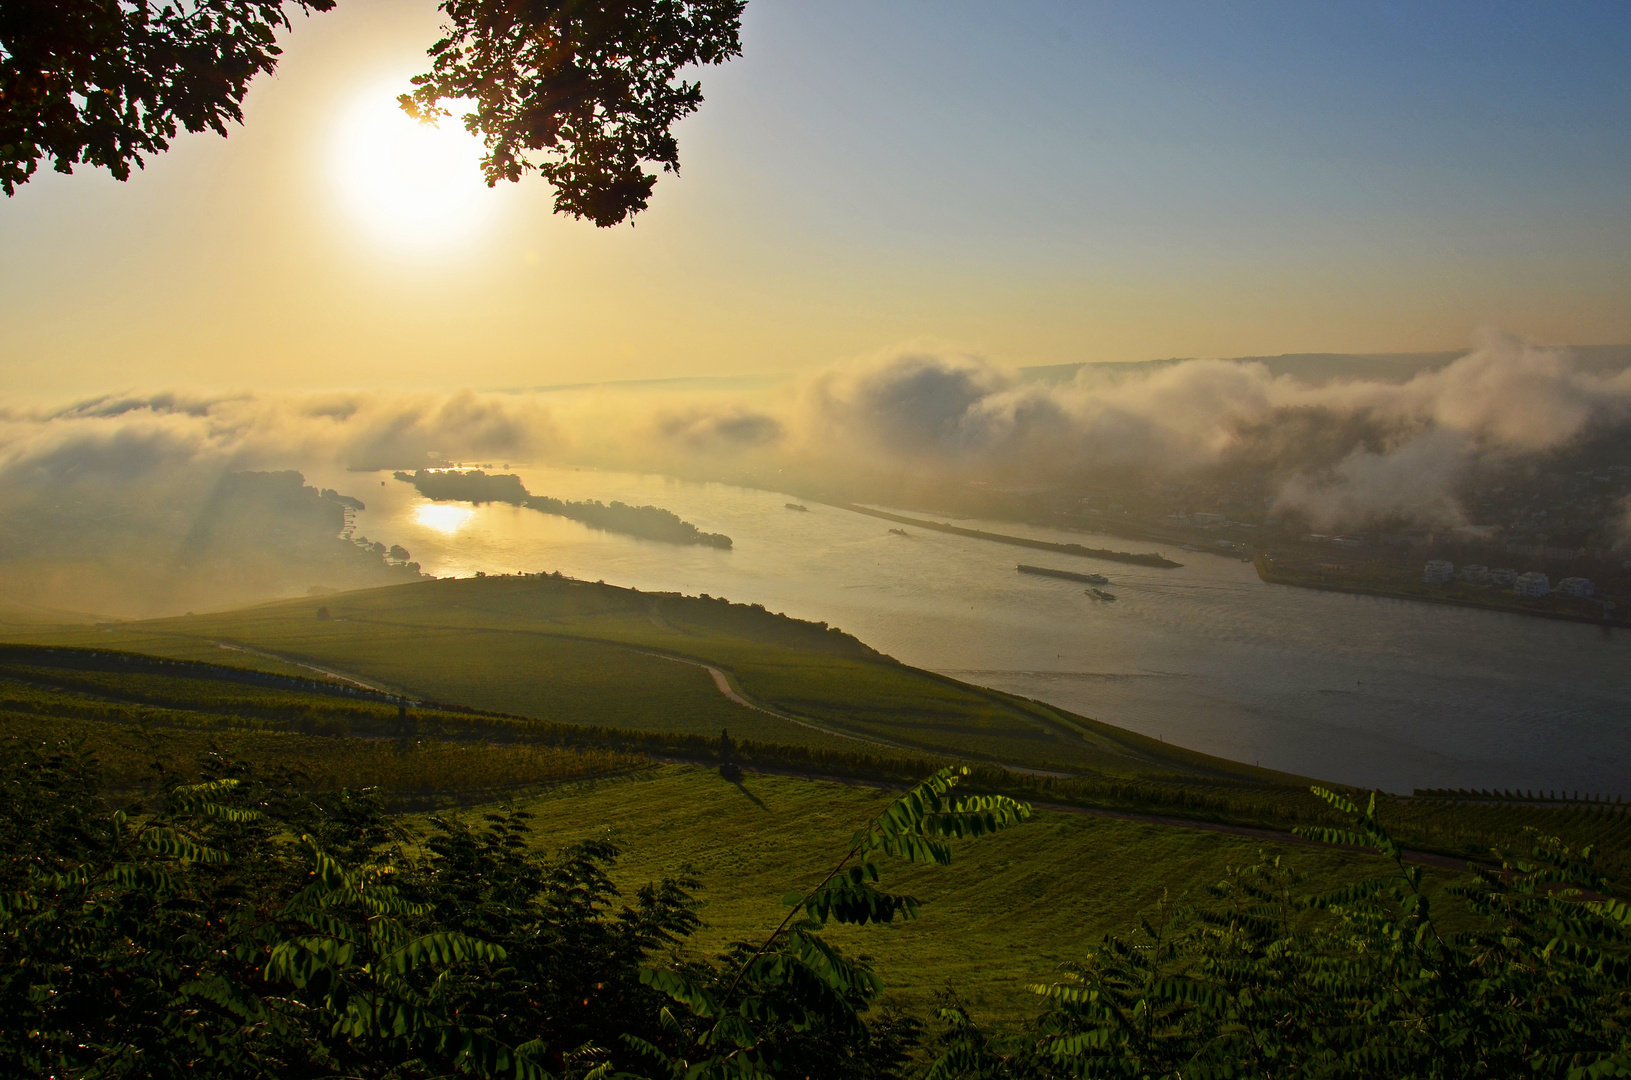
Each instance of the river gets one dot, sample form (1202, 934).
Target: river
(1360, 690)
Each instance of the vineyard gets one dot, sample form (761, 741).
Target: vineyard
(587, 654)
(1017, 906)
(148, 720)
(136, 711)
(391, 728)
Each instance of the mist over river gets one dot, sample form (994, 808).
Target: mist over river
(1355, 689)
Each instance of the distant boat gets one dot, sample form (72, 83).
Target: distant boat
(1068, 575)
(797, 506)
(901, 532)
(1100, 594)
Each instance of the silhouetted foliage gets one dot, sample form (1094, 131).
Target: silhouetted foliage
(240, 927)
(104, 82)
(585, 92)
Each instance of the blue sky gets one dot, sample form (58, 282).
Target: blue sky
(1263, 126)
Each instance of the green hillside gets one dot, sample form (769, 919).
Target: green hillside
(548, 666)
(144, 713)
(151, 721)
(1016, 906)
(583, 653)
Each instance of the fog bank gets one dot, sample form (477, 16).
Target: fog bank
(103, 495)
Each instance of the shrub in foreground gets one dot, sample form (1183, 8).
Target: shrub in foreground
(239, 927)
(1266, 981)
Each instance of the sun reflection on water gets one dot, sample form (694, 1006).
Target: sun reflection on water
(442, 517)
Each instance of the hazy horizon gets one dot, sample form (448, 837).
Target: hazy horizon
(1050, 186)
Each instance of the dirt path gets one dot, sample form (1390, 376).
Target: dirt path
(338, 676)
(723, 682)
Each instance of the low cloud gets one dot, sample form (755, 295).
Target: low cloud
(1411, 482)
(1337, 452)
(730, 430)
(134, 436)
(1338, 448)
(913, 405)
(1506, 393)
(106, 500)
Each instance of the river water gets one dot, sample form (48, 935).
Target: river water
(1359, 690)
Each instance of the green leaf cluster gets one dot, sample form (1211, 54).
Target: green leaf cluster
(240, 927)
(1267, 981)
(795, 1003)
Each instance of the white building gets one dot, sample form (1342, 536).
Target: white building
(1533, 583)
(1575, 586)
(1438, 571)
(1503, 575)
(1473, 572)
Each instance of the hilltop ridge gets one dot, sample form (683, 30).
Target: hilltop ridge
(578, 652)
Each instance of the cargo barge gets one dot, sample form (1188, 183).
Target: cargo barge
(1068, 575)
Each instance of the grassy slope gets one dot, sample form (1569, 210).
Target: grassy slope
(133, 709)
(1004, 915)
(136, 720)
(576, 652)
(1010, 910)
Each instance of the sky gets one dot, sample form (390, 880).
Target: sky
(1033, 183)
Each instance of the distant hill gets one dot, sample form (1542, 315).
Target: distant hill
(1331, 367)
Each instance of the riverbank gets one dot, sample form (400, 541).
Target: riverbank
(1274, 574)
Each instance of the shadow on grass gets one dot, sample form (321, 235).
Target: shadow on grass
(733, 773)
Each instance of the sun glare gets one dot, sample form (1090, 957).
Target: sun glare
(443, 518)
(408, 184)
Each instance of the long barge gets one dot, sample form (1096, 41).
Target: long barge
(1068, 575)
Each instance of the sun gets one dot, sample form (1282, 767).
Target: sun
(442, 517)
(409, 185)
